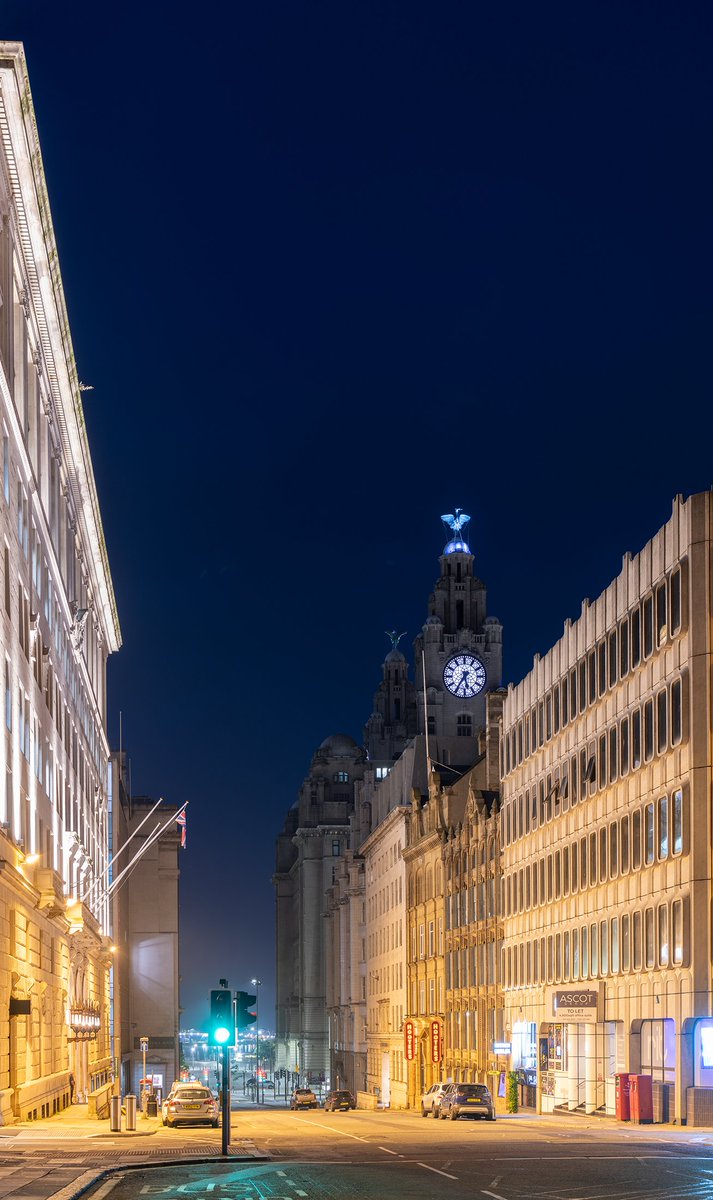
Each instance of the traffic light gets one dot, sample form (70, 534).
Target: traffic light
(245, 1001)
(222, 1018)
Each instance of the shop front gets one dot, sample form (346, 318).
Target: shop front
(579, 1053)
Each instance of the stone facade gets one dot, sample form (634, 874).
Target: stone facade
(58, 624)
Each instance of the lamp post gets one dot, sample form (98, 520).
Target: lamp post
(257, 983)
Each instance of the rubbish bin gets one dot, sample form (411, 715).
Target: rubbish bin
(623, 1107)
(641, 1099)
(115, 1114)
(130, 1102)
(151, 1106)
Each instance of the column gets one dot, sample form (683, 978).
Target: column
(590, 1067)
(572, 1065)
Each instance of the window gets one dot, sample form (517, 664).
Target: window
(612, 658)
(677, 822)
(602, 668)
(7, 581)
(624, 830)
(464, 725)
(661, 721)
(592, 858)
(675, 602)
(660, 614)
(636, 738)
(336, 848)
(575, 954)
(594, 950)
(583, 863)
(663, 935)
(602, 760)
(585, 951)
(572, 694)
(431, 940)
(624, 648)
(341, 777)
(574, 859)
(604, 947)
(663, 827)
(677, 921)
(636, 839)
(636, 938)
(613, 850)
(636, 637)
(603, 854)
(649, 951)
(615, 945)
(625, 942)
(582, 685)
(8, 694)
(648, 626)
(624, 746)
(613, 744)
(648, 834)
(676, 715)
(6, 467)
(592, 672)
(648, 730)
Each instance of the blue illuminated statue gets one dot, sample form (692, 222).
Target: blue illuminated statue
(457, 522)
(395, 637)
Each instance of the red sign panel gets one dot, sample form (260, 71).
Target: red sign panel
(409, 1040)
(436, 1042)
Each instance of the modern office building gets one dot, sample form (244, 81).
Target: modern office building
(606, 834)
(58, 626)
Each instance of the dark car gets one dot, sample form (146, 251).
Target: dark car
(467, 1100)
(339, 1101)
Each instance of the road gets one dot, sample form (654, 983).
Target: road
(371, 1156)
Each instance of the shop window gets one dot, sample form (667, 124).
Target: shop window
(658, 1049)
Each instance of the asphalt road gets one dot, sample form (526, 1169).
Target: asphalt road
(373, 1156)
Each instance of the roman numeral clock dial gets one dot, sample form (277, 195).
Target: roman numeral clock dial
(464, 675)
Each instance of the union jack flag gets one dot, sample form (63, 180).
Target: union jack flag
(181, 821)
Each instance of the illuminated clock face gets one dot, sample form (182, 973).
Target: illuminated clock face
(464, 675)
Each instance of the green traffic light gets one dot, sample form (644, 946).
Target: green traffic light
(221, 1035)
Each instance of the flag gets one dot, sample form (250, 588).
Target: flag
(181, 820)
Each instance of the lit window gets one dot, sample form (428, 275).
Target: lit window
(336, 848)
(341, 777)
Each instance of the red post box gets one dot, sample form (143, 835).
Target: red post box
(623, 1112)
(641, 1096)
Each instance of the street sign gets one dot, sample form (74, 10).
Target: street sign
(144, 1044)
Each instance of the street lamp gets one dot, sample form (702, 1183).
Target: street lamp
(257, 983)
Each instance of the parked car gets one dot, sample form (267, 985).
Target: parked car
(188, 1103)
(339, 1101)
(466, 1100)
(430, 1099)
(303, 1098)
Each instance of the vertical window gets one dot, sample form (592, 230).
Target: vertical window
(573, 780)
(612, 658)
(565, 871)
(8, 694)
(575, 954)
(583, 863)
(592, 859)
(592, 672)
(675, 602)
(572, 693)
(624, 648)
(676, 714)
(613, 850)
(548, 716)
(613, 746)
(660, 614)
(6, 467)
(636, 738)
(602, 668)
(7, 581)
(677, 916)
(663, 935)
(636, 637)
(677, 822)
(625, 943)
(582, 685)
(558, 874)
(648, 834)
(636, 939)
(564, 701)
(648, 730)
(615, 945)
(661, 721)
(624, 830)
(594, 950)
(624, 746)
(603, 854)
(663, 827)
(585, 951)
(602, 760)
(636, 839)
(649, 949)
(648, 626)
(555, 710)
(604, 947)
(574, 857)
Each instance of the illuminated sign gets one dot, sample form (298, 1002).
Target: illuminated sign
(409, 1041)
(436, 1042)
(502, 1047)
(576, 1002)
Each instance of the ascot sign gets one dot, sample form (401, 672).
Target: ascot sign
(575, 1003)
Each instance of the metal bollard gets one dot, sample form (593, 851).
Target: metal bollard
(130, 1102)
(115, 1114)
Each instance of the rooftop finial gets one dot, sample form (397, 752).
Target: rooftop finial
(395, 637)
(456, 522)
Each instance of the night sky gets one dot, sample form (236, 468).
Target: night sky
(332, 270)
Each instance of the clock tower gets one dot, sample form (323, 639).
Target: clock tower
(459, 648)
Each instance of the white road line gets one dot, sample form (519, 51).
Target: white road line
(495, 1194)
(331, 1128)
(387, 1151)
(495, 1182)
(427, 1168)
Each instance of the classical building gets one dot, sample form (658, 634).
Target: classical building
(145, 922)
(58, 626)
(316, 834)
(606, 833)
(346, 974)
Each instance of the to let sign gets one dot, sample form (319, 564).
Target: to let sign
(409, 1040)
(576, 1002)
(436, 1042)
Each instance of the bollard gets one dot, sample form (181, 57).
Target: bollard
(130, 1102)
(115, 1114)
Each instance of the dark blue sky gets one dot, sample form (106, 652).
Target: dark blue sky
(332, 270)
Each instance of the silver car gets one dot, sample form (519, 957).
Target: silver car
(188, 1104)
(432, 1098)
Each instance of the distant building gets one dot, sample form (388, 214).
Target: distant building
(315, 835)
(606, 834)
(145, 914)
(58, 626)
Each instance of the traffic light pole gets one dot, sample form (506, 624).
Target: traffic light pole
(225, 1113)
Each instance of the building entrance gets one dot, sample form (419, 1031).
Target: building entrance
(577, 1062)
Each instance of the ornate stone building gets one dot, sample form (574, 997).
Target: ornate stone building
(58, 624)
(346, 974)
(316, 834)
